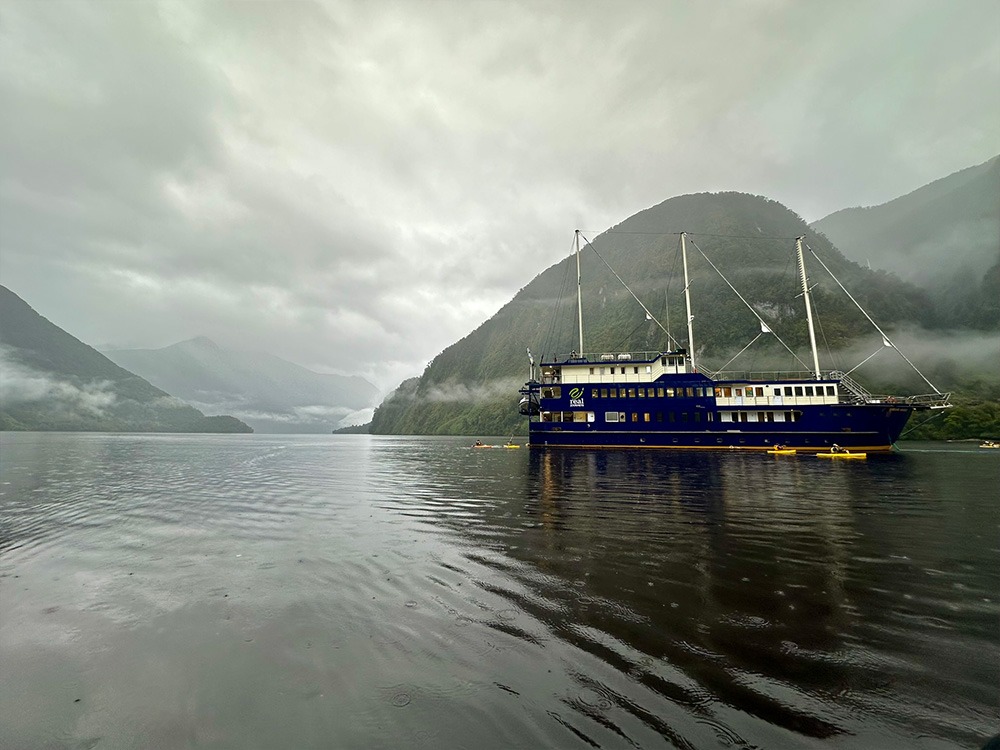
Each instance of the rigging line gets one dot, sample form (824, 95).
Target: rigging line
(865, 313)
(740, 352)
(916, 426)
(864, 360)
(550, 337)
(645, 309)
(630, 335)
(756, 315)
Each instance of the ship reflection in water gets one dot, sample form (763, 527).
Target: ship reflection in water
(297, 591)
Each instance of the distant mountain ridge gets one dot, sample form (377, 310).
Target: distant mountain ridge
(53, 381)
(944, 237)
(470, 387)
(269, 393)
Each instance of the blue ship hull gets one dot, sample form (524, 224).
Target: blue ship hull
(688, 410)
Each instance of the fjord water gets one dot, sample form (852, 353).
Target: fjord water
(168, 591)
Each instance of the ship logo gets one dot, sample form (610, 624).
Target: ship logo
(576, 393)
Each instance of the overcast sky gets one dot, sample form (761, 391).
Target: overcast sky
(355, 186)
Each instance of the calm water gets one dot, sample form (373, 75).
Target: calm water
(167, 591)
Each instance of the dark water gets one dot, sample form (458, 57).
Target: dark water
(356, 592)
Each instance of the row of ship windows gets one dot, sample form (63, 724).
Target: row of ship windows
(620, 416)
(556, 392)
(759, 416)
(720, 392)
(673, 417)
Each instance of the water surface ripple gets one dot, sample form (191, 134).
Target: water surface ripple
(364, 592)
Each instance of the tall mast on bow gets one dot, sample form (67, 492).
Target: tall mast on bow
(809, 314)
(687, 300)
(579, 292)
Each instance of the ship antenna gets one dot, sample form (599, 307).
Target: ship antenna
(809, 314)
(687, 301)
(579, 291)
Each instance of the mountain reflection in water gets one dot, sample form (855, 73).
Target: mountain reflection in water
(379, 592)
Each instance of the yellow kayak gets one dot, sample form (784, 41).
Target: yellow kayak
(845, 454)
(782, 452)
(511, 445)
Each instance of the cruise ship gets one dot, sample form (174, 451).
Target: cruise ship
(661, 400)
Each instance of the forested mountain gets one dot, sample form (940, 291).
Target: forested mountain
(944, 237)
(269, 393)
(471, 386)
(50, 380)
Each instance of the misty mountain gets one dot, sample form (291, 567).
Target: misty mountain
(471, 386)
(944, 237)
(50, 380)
(267, 392)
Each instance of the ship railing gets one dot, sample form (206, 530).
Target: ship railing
(605, 358)
(858, 391)
(774, 375)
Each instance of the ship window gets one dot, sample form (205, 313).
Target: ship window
(718, 393)
(591, 370)
(621, 392)
(631, 392)
(831, 390)
(649, 370)
(761, 417)
(604, 392)
(642, 393)
(610, 416)
(613, 393)
(684, 416)
(593, 393)
(798, 390)
(788, 416)
(690, 392)
(659, 416)
(760, 392)
(727, 392)
(671, 417)
(645, 417)
(697, 416)
(809, 390)
(659, 392)
(623, 371)
(711, 417)
(670, 392)
(635, 370)
(580, 416)
(621, 416)
(744, 417)
(725, 416)
(635, 416)
(779, 416)
(600, 371)
(555, 392)
(663, 361)
(788, 390)
(777, 391)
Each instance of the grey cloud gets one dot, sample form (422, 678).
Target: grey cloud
(354, 186)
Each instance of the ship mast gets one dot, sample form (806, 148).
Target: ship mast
(809, 315)
(579, 292)
(687, 301)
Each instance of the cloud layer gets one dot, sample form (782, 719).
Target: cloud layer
(354, 186)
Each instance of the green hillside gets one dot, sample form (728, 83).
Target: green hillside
(945, 237)
(53, 381)
(471, 386)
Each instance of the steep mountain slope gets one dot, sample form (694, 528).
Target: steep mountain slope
(53, 381)
(471, 386)
(944, 237)
(269, 393)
